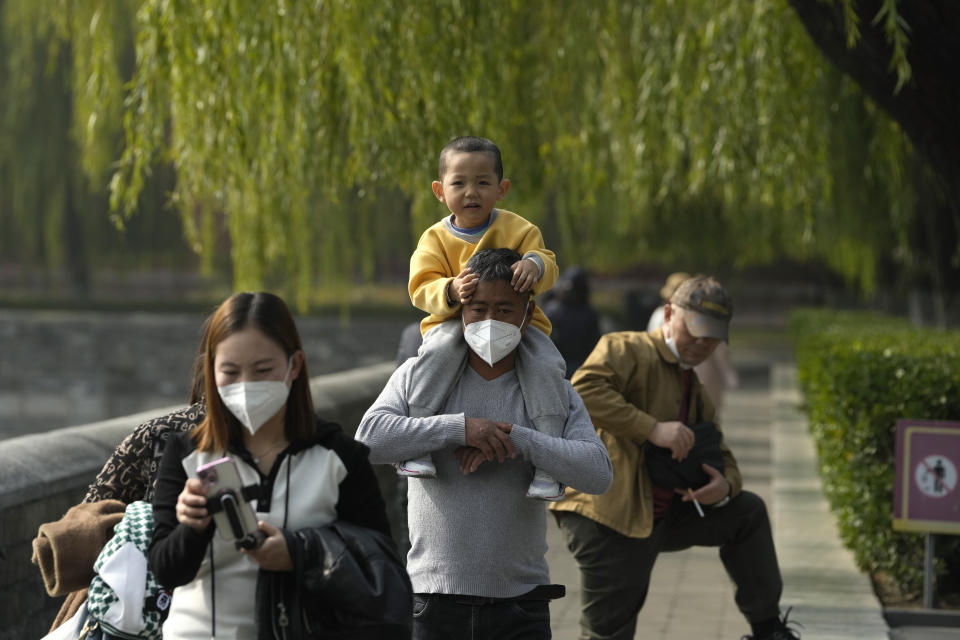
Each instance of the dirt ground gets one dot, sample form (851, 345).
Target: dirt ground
(893, 597)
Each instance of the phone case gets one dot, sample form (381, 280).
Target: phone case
(222, 482)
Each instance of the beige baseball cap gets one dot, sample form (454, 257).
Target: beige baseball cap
(708, 307)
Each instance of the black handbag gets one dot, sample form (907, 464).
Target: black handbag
(666, 472)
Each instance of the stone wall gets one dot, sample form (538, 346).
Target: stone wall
(42, 475)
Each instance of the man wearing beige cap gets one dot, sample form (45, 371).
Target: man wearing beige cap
(659, 427)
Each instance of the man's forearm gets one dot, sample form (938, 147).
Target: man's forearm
(581, 464)
(395, 438)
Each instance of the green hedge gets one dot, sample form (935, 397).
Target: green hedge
(860, 373)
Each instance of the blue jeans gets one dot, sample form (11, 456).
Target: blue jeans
(446, 617)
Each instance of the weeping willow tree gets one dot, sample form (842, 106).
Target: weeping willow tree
(657, 131)
(41, 181)
(60, 135)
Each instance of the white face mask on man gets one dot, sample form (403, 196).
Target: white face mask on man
(493, 340)
(253, 403)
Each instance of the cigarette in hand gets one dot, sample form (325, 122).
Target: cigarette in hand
(695, 503)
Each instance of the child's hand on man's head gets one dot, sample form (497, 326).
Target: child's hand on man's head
(463, 286)
(526, 272)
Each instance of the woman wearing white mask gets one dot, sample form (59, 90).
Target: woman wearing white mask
(303, 472)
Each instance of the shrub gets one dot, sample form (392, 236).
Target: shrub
(860, 373)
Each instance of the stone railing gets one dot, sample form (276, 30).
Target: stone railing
(43, 475)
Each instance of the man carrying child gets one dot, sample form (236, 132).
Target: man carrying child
(477, 543)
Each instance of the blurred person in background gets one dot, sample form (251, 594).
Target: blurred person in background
(576, 325)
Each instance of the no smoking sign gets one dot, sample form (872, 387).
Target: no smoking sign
(926, 496)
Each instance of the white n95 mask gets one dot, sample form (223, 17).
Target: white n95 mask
(493, 340)
(253, 403)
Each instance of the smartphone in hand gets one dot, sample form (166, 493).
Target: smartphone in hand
(233, 515)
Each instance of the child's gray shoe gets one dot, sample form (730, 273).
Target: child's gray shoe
(419, 468)
(544, 487)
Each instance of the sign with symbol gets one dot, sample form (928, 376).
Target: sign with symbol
(926, 496)
(936, 476)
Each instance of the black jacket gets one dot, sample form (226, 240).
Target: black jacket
(348, 582)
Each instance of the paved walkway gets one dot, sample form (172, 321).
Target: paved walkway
(691, 596)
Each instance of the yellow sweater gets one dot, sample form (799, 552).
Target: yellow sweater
(630, 381)
(441, 254)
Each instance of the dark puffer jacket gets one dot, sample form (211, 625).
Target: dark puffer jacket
(348, 581)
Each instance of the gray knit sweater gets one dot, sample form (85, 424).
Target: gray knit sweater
(479, 534)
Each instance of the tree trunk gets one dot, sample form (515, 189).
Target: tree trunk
(74, 242)
(926, 107)
(78, 267)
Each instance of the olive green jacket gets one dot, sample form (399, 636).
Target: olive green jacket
(630, 382)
